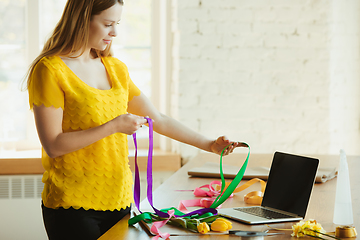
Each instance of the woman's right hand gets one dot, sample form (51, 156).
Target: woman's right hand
(128, 123)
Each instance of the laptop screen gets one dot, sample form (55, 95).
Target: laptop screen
(290, 182)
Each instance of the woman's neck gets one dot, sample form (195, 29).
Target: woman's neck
(83, 57)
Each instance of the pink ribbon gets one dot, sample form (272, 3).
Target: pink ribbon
(203, 202)
(199, 192)
(155, 228)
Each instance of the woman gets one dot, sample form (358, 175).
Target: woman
(85, 105)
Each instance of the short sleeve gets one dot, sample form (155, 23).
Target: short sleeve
(133, 90)
(44, 87)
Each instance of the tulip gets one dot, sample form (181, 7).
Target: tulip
(229, 224)
(203, 228)
(221, 225)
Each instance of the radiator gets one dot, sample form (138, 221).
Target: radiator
(20, 186)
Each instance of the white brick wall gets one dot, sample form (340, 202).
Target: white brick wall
(278, 74)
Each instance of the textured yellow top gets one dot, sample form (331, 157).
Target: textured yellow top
(97, 176)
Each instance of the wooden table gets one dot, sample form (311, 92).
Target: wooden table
(321, 206)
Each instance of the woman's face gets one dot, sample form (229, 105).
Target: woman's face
(103, 27)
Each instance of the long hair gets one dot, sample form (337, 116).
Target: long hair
(71, 34)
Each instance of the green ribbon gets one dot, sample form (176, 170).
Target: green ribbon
(230, 189)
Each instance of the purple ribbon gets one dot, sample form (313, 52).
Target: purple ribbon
(137, 178)
(148, 173)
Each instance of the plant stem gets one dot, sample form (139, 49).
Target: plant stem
(315, 236)
(322, 233)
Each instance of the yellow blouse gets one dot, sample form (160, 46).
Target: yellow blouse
(97, 176)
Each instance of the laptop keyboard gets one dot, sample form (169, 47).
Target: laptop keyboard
(262, 212)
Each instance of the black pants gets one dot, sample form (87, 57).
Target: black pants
(68, 224)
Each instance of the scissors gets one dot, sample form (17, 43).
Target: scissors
(252, 233)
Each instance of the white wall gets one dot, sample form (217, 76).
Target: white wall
(277, 74)
(344, 88)
(21, 219)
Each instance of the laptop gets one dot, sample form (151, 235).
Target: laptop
(287, 192)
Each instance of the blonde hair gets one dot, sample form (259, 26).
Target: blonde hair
(71, 34)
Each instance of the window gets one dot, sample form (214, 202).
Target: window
(133, 46)
(12, 68)
(133, 43)
(24, 27)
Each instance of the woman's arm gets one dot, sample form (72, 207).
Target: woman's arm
(56, 143)
(141, 105)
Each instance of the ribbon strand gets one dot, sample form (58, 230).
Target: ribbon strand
(148, 173)
(164, 213)
(230, 189)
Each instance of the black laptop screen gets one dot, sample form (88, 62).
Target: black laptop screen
(290, 182)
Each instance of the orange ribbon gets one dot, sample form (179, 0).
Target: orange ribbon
(254, 197)
(345, 232)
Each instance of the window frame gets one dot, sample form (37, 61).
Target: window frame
(161, 40)
(161, 58)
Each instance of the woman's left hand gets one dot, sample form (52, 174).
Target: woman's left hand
(222, 142)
